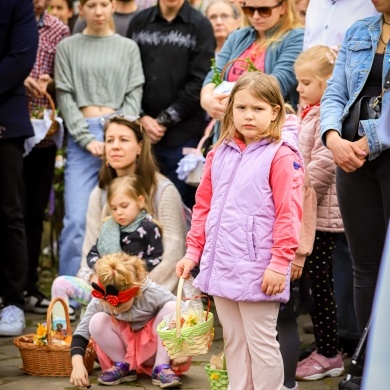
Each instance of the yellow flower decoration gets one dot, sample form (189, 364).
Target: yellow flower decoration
(41, 330)
(214, 376)
(40, 338)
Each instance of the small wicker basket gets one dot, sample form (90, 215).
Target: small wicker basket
(195, 340)
(54, 124)
(218, 379)
(52, 359)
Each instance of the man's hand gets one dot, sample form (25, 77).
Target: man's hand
(32, 87)
(154, 130)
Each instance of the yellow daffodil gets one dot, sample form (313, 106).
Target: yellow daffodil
(40, 338)
(41, 330)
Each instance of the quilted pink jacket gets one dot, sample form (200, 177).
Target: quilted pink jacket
(321, 168)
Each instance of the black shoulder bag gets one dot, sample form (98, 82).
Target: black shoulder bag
(367, 107)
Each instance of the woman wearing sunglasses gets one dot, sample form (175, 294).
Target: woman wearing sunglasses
(272, 42)
(97, 73)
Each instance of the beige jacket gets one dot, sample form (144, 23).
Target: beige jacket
(170, 216)
(321, 168)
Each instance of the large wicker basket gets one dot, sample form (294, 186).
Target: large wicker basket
(52, 359)
(195, 340)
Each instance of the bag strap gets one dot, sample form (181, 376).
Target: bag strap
(385, 88)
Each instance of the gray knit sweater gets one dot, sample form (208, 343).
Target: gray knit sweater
(96, 71)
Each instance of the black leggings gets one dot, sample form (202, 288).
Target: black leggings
(324, 312)
(364, 200)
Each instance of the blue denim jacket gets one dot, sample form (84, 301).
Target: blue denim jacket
(350, 73)
(279, 57)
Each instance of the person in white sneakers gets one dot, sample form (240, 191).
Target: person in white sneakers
(18, 48)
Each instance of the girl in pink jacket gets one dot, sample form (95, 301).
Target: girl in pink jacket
(313, 67)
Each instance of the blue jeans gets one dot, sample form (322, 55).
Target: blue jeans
(168, 160)
(81, 177)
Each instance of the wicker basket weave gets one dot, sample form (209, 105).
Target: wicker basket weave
(52, 359)
(218, 379)
(54, 124)
(195, 340)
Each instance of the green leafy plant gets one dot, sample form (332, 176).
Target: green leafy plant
(217, 78)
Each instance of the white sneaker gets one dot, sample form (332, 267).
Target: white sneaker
(12, 321)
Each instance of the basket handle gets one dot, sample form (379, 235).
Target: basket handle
(206, 135)
(178, 306)
(52, 105)
(49, 319)
(223, 71)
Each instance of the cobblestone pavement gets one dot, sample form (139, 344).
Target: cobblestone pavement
(13, 378)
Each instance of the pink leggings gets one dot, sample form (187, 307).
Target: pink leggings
(108, 337)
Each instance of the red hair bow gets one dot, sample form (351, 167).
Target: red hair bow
(111, 293)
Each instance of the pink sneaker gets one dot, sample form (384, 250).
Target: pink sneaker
(317, 366)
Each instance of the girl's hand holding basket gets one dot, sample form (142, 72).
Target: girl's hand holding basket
(183, 268)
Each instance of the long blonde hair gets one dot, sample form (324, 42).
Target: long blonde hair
(287, 22)
(262, 87)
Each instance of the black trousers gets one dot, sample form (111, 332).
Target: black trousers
(364, 200)
(38, 172)
(13, 252)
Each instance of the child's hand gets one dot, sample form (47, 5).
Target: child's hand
(183, 267)
(296, 272)
(79, 375)
(273, 282)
